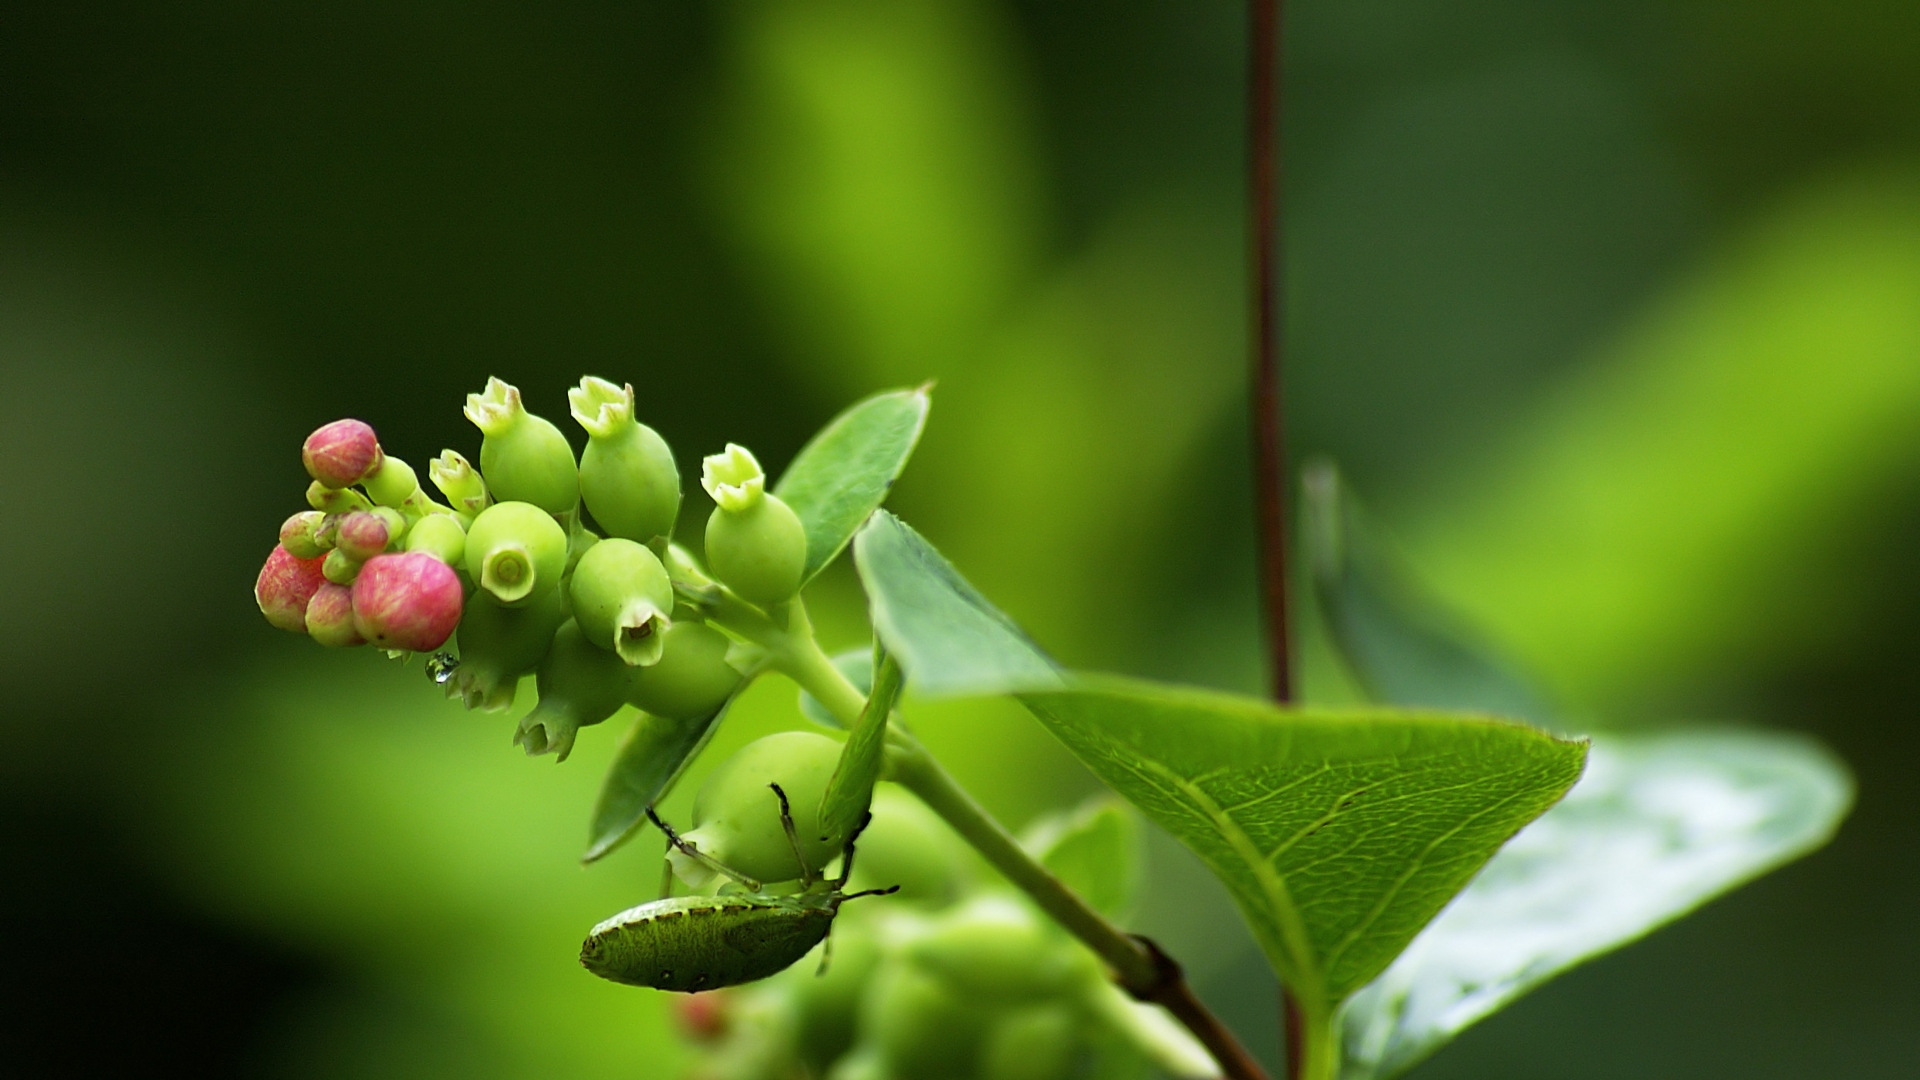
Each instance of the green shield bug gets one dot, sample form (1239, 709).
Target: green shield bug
(694, 943)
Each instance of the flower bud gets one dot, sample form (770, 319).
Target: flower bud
(755, 542)
(335, 501)
(621, 595)
(330, 617)
(627, 474)
(692, 677)
(391, 483)
(365, 533)
(466, 492)
(339, 567)
(516, 551)
(409, 601)
(441, 537)
(580, 686)
(524, 458)
(341, 454)
(302, 535)
(286, 583)
(499, 645)
(736, 816)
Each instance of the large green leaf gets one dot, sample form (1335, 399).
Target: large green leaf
(652, 755)
(1657, 826)
(1340, 834)
(1401, 650)
(949, 639)
(845, 472)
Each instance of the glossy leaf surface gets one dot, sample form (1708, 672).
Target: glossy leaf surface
(845, 472)
(1658, 825)
(651, 756)
(1340, 834)
(949, 639)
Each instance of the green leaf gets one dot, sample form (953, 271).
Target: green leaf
(1401, 649)
(845, 472)
(1340, 834)
(1095, 850)
(948, 638)
(1658, 825)
(849, 792)
(652, 755)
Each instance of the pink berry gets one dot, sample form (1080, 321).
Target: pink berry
(330, 617)
(341, 454)
(285, 586)
(408, 600)
(361, 535)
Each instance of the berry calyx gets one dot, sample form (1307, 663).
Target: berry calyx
(516, 551)
(409, 600)
(456, 478)
(284, 587)
(341, 454)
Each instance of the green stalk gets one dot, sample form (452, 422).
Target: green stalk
(1138, 965)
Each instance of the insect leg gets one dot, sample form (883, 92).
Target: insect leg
(846, 854)
(793, 837)
(699, 856)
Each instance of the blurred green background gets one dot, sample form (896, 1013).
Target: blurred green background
(1611, 310)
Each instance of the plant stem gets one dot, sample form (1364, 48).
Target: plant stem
(1266, 342)
(1138, 965)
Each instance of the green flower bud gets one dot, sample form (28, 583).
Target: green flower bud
(736, 815)
(516, 551)
(627, 474)
(499, 645)
(391, 483)
(285, 586)
(441, 537)
(580, 685)
(621, 595)
(335, 501)
(466, 492)
(524, 458)
(692, 677)
(755, 542)
(1039, 1042)
(340, 567)
(330, 618)
(302, 535)
(999, 949)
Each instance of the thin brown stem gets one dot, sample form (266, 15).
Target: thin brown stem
(1267, 339)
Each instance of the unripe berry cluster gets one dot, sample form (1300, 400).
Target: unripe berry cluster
(511, 562)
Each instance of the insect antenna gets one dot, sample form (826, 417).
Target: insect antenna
(699, 856)
(793, 837)
(826, 954)
(888, 891)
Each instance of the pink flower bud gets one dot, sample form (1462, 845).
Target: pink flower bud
(341, 454)
(362, 535)
(285, 586)
(408, 600)
(330, 617)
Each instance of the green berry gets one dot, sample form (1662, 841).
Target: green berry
(466, 492)
(755, 543)
(736, 814)
(580, 686)
(523, 457)
(692, 677)
(621, 595)
(997, 948)
(499, 645)
(627, 474)
(441, 536)
(825, 1004)
(908, 845)
(1038, 1042)
(920, 1026)
(392, 483)
(516, 551)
